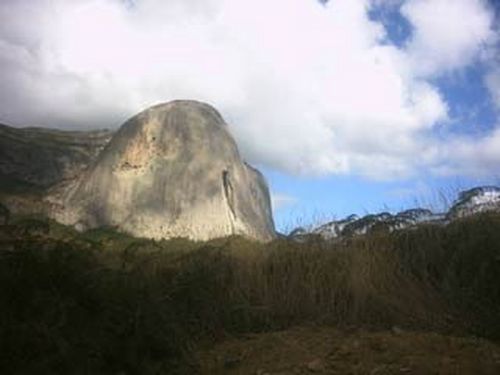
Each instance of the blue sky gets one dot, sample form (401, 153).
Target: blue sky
(308, 201)
(347, 106)
(312, 201)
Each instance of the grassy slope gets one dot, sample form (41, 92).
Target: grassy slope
(101, 302)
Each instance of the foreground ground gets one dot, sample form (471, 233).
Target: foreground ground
(423, 301)
(323, 350)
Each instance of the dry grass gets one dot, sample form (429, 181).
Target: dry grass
(107, 303)
(326, 350)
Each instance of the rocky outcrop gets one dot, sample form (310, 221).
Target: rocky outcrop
(476, 200)
(335, 228)
(469, 202)
(354, 225)
(173, 170)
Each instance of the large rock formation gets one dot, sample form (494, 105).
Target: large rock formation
(173, 170)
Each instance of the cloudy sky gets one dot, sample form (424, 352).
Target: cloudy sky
(346, 106)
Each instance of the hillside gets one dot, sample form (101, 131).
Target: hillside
(38, 158)
(104, 303)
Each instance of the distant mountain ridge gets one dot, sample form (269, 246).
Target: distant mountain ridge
(469, 202)
(39, 158)
(476, 200)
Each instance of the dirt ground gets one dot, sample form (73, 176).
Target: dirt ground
(320, 350)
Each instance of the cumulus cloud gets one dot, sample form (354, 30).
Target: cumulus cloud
(477, 159)
(447, 34)
(280, 200)
(306, 87)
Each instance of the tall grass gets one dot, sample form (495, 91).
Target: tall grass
(105, 303)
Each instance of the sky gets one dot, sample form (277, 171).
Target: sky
(346, 106)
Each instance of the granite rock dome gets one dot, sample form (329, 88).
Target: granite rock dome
(173, 170)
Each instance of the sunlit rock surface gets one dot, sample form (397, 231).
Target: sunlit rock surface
(476, 200)
(173, 170)
(335, 228)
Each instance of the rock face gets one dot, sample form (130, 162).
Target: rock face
(476, 200)
(173, 170)
(335, 228)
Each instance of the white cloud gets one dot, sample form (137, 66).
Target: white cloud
(279, 200)
(306, 88)
(480, 158)
(447, 34)
(493, 84)
(416, 193)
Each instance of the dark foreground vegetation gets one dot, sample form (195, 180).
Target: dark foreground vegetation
(105, 303)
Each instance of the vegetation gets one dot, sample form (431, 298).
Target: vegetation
(102, 302)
